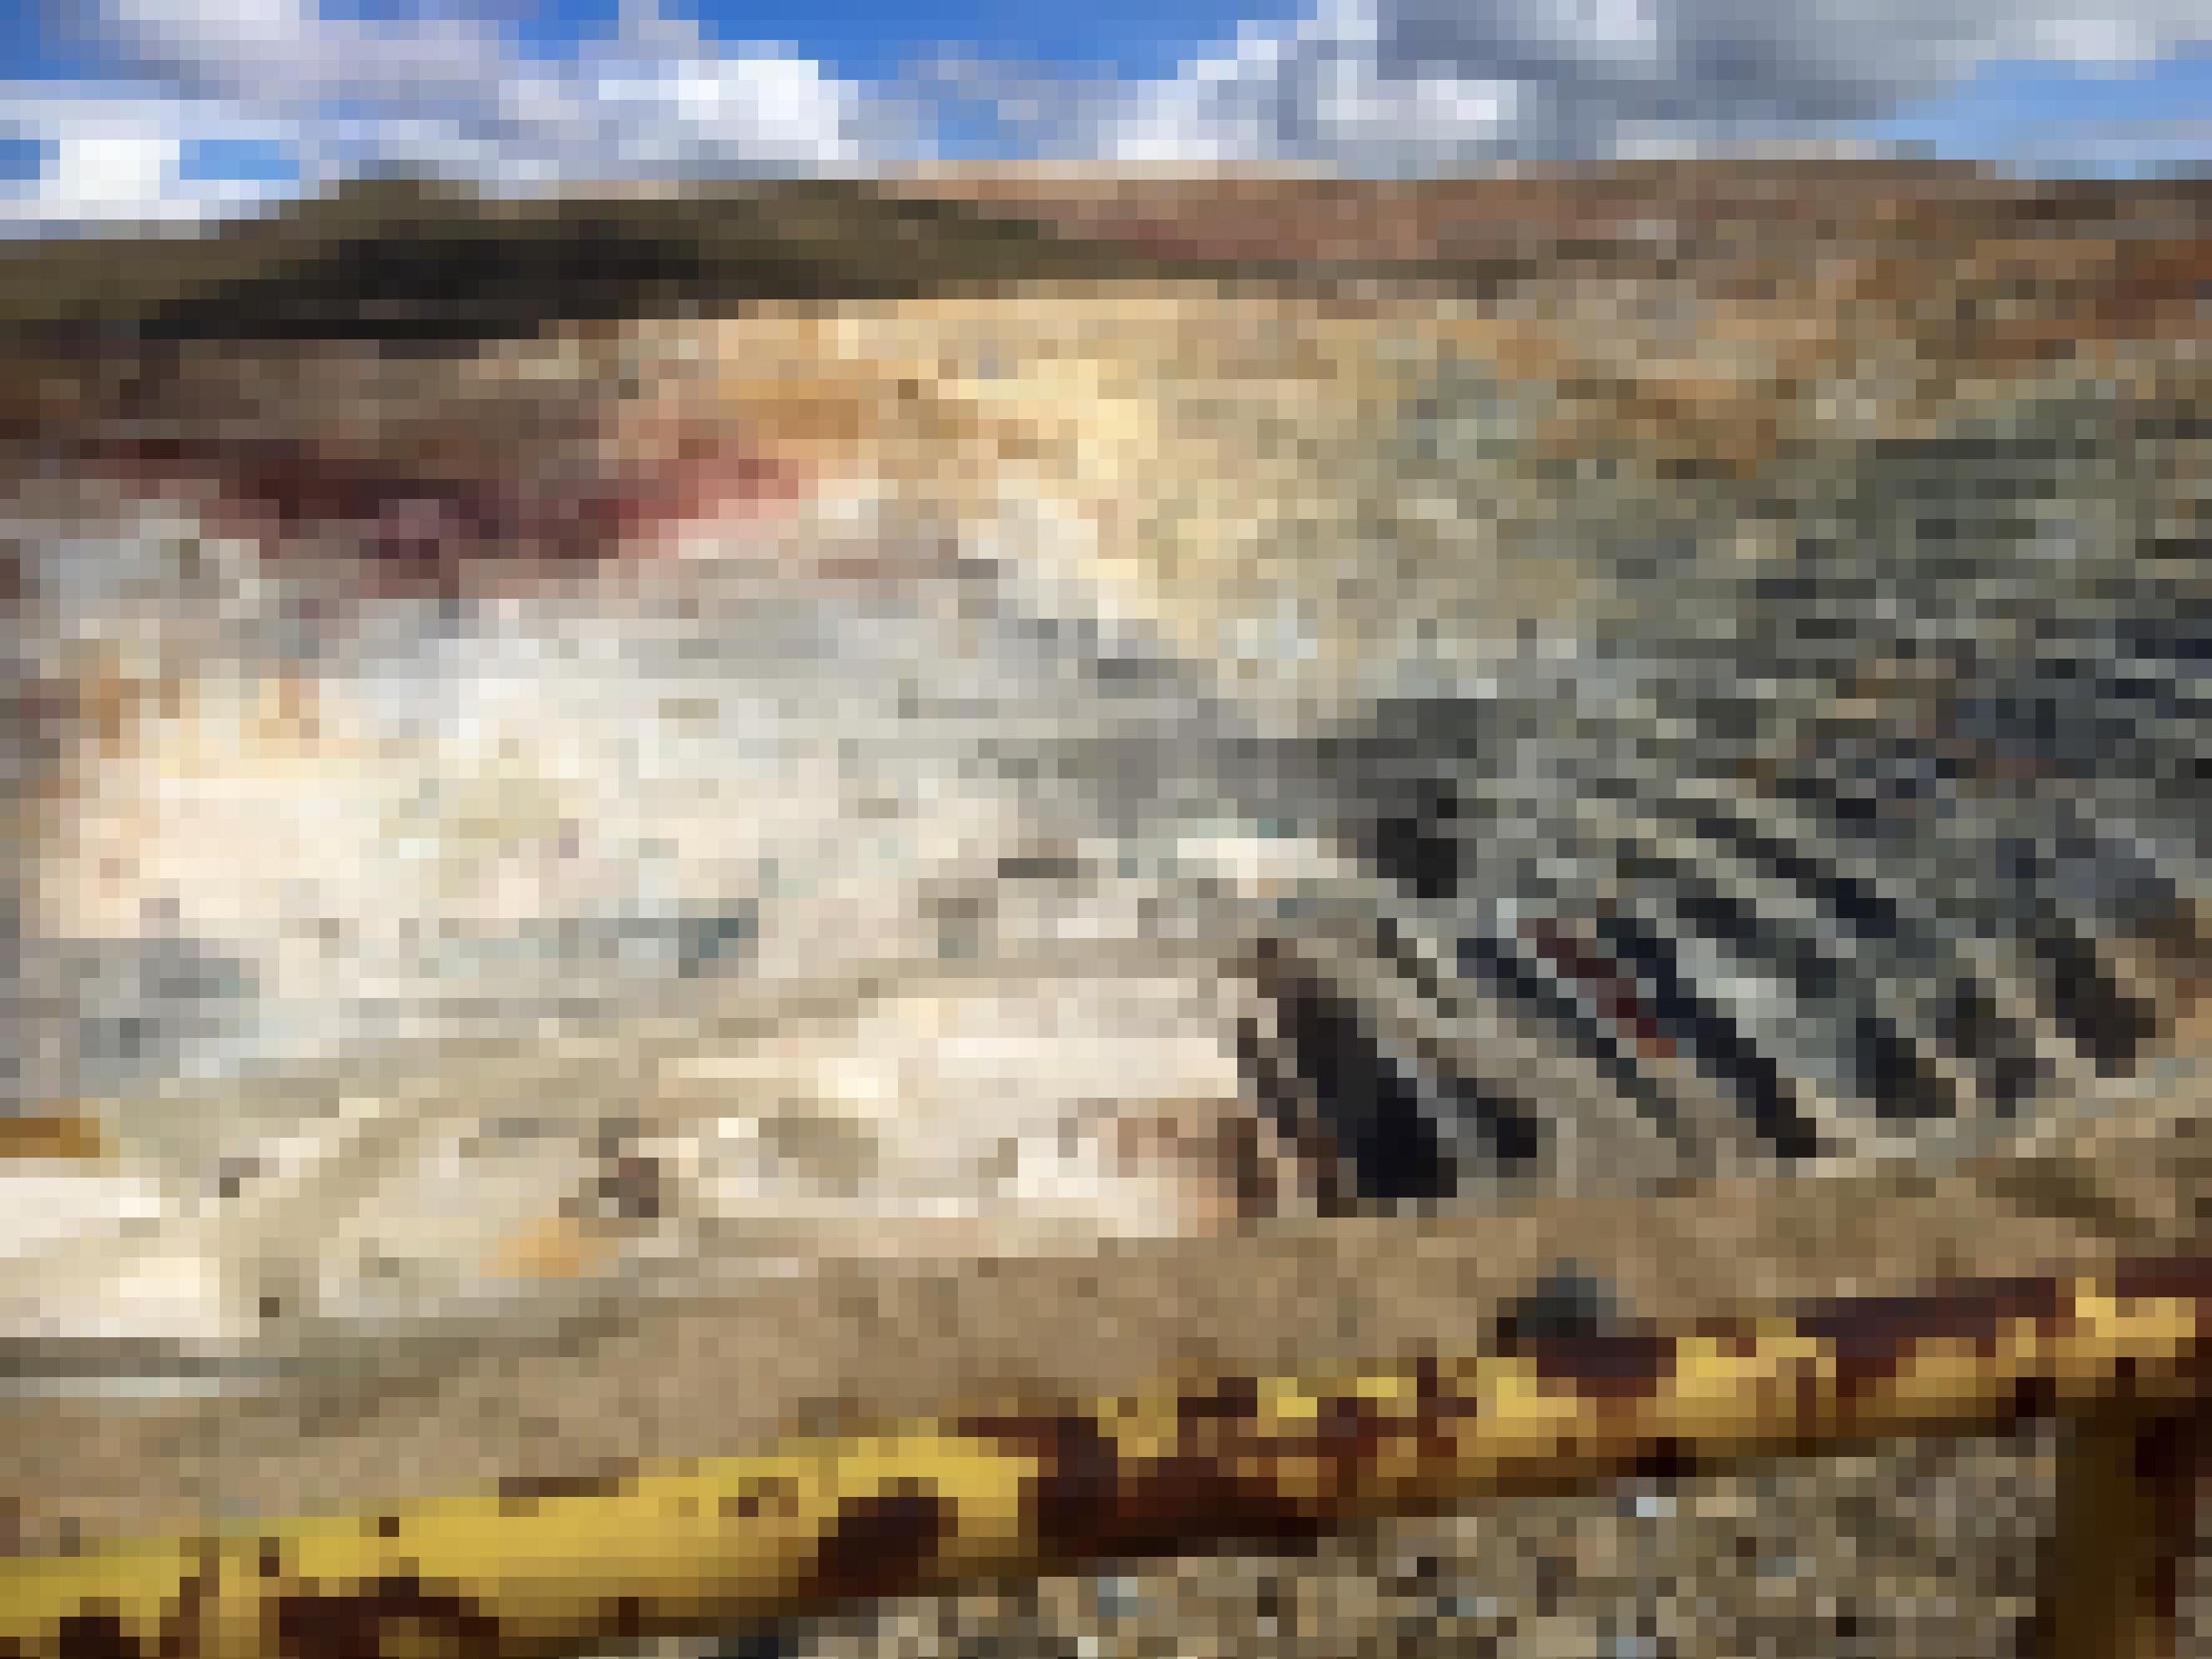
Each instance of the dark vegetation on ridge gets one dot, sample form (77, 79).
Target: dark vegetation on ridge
(404, 260)
(401, 260)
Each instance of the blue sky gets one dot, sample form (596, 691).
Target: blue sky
(2009, 108)
(872, 40)
(179, 109)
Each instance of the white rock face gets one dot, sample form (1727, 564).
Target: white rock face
(421, 959)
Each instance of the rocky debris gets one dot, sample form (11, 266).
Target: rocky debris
(1648, 722)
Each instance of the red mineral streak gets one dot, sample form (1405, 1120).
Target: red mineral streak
(410, 530)
(708, 476)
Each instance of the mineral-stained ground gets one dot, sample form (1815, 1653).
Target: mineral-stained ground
(643, 824)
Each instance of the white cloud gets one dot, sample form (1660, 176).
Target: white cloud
(441, 88)
(221, 46)
(1406, 84)
(1367, 85)
(1319, 90)
(763, 107)
(115, 156)
(98, 172)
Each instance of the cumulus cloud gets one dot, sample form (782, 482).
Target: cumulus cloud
(1397, 84)
(1383, 86)
(112, 156)
(440, 89)
(212, 46)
